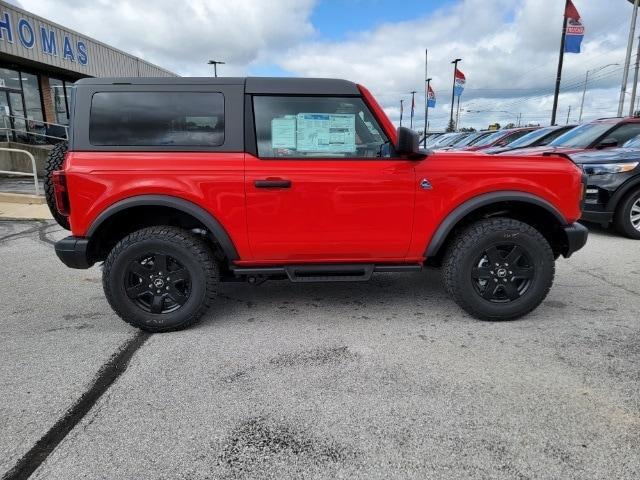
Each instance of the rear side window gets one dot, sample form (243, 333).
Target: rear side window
(157, 119)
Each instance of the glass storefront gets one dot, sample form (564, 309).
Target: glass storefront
(21, 106)
(59, 98)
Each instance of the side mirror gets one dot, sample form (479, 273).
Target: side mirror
(408, 142)
(608, 143)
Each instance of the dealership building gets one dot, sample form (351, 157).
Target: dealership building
(39, 60)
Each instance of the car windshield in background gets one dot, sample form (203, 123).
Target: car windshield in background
(470, 139)
(445, 140)
(633, 143)
(490, 139)
(582, 136)
(531, 137)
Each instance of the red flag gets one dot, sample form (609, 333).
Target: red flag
(571, 11)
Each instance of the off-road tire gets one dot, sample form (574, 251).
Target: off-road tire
(622, 219)
(53, 163)
(187, 248)
(469, 244)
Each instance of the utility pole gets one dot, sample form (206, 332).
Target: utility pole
(634, 90)
(453, 90)
(426, 116)
(401, 110)
(426, 95)
(625, 74)
(413, 107)
(519, 119)
(215, 64)
(568, 115)
(560, 62)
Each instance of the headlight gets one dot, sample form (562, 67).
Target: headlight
(605, 168)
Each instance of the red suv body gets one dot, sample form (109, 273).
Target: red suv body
(305, 179)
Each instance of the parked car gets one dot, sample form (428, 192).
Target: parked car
(599, 134)
(177, 184)
(501, 138)
(469, 140)
(536, 138)
(447, 140)
(613, 187)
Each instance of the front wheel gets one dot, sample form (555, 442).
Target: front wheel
(160, 278)
(627, 218)
(499, 269)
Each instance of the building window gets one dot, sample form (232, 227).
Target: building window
(59, 101)
(9, 79)
(32, 100)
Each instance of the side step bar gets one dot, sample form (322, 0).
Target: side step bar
(324, 273)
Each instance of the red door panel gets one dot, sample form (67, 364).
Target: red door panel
(329, 209)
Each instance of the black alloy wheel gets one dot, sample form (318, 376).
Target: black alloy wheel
(503, 273)
(158, 283)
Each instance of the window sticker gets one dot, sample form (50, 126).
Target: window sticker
(283, 132)
(323, 132)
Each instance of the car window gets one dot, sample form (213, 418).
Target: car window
(625, 132)
(513, 137)
(531, 137)
(314, 127)
(157, 119)
(490, 139)
(633, 142)
(582, 136)
(553, 135)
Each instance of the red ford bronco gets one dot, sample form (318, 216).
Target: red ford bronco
(179, 184)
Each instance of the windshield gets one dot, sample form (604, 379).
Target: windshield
(633, 143)
(531, 137)
(582, 136)
(470, 139)
(445, 139)
(490, 139)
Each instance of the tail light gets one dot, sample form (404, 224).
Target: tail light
(61, 193)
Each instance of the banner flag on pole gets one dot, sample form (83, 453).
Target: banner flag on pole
(460, 82)
(431, 98)
(575, 29)
(413, 105)
(401, 111)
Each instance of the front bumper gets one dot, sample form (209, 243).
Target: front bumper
(73, 252)
(597, 216)
(576, 237)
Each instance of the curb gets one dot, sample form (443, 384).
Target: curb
(22, 198)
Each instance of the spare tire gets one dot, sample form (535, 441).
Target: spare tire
(53, 163)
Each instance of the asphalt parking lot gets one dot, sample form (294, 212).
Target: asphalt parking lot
(364, 380)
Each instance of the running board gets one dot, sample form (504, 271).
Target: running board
(360, 272)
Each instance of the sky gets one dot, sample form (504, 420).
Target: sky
(509, 48)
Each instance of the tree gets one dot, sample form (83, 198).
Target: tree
(451, 127)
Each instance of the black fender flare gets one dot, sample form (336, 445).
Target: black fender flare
(621, 192)
(451, 220)
(190, 208)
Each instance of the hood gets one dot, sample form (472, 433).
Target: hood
(531, 151)
(608, 155)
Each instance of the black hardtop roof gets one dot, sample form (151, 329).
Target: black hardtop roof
(258, 85)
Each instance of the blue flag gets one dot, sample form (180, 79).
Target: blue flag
(431, 98)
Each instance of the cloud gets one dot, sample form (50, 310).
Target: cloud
(182, 36)
(509, 49)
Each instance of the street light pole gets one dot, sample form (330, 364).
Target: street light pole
(634, 90)
(586, 80)
(413, 107)
(453, 90)
(625, 75)
(426, 114)
(215, 64)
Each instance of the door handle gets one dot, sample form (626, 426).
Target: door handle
(272, 183)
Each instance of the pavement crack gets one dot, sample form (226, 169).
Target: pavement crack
(607, 281)
(24, 233)
(106, 376)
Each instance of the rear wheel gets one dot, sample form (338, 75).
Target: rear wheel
(160, 278)
(53, 163)
(627, 218)
(499, 269)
